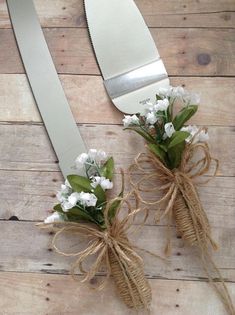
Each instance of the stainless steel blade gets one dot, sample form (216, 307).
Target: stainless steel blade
(45, 84)
(126, 53)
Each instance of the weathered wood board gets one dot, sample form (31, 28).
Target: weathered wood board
(161, 13)
(41, 294)
(186, 52)
(17, 103)
(196, 40)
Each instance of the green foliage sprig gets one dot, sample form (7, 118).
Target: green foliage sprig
(163, 129)
(84, 198)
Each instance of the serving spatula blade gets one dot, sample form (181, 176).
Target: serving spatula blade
(126, 53)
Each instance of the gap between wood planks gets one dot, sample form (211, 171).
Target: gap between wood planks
(156, 14)
(189, 52)
(37, 255)
(86, 93)
(42, 294)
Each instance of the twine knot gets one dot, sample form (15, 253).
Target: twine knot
(110, 248)
(181, 199)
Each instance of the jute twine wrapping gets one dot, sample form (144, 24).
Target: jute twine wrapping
(113, 250)
(181, 201)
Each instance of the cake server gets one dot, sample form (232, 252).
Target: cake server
(126, 53)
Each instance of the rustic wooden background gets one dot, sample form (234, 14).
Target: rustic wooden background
(196, 40)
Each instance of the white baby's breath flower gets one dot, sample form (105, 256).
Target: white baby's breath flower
(92, 154)
(193, 130)
(67, 184)
(177, 91)
(169, 129)
(151, 118)
(95, 181)
(195, 134)
(81, 160)
(105, 183)
(55, 217)
(130, 120)
(203, 136)
(60, 196)
(66, 205)
(165, 91)
(97, 155)
(101, 156)
(148, 108)
(191, 98)
(73, 198)
(161, 105)
(87, 199)
(66, 189)
(194, 99)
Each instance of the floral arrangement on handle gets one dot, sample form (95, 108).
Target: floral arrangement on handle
(179, 154)
(84, 209)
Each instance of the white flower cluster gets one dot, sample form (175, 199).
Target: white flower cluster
(179, 92)
(150, 115)
(55, 217)
(92, 156)
(196, 135)
(130, 120)
(152, 111)
(169, 130)
(105, 183)
(69, 199)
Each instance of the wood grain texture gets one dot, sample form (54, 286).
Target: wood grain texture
(31, 195)
(27, 147)
(173, 13)
(198, 54)
(36, 294)
(90, 103)
(207, 52)
(184, 263)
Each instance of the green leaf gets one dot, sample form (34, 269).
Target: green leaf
(107, 169)
(163, 147)
(100, 194)
(157, 151)
(79, 183)
(113, 207)
(79, 214)
(116, 203)
(175, 155)
(142, 133)
(158, 97)
(184, 115)
(74, 214)
(58, 208)
(178, 137)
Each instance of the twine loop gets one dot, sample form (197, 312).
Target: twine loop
(111, 250)
(181, 200)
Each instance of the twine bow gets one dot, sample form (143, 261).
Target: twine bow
(175, 182)
(107, 245)
(180, 198)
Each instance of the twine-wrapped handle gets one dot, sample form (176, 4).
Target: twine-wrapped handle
(112, 249)
(181, 200)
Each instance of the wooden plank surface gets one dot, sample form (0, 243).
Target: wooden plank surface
(36, 256)
(196, 40)
(17, 103)
(161, 13)
(40, 294)
(22, 152)
(30, 195)
(191, 51)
